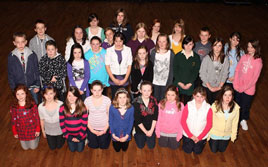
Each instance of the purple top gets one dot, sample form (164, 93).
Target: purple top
(106, 45)
(135, 44)
(119, 55)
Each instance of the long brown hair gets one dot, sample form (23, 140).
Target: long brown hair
(137, 59)
(200, 90)
(256, 45)
(168, 42)
(173, 89)
(118, 92)
(180, 23)
(222, 55)
(29, 102)
(219, 100)
(237, 48)
(151, 27)
(80, 107)
(125, 21)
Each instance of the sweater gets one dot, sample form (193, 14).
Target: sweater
(144, 115)
(247, 74)
(126, 30)
(17, 75)
(97, 66)
(50, 67)
(73, 126)
(134, 44)
(223, 127)
(121, 125)
(38, 45)
(214, 75)
(202, 50)
(137, 77)
(169, 120)
(85, 79)
(186, 71)
(170, 74)
(196, 122)
(232, 56)
(176, 47)
(25, 122)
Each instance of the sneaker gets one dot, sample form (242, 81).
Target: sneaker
(244, 124)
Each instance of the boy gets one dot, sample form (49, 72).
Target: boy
(23, 66)
(53, 70)
(203, 47)
(37, 43)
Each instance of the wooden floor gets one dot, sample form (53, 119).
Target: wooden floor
(250, 149)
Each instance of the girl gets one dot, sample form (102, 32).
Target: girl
(96, 58)
(52, 68)
(140, 38)
(196, 122)
(94, 29)
(78, 70)
(186, 68)
(24, 118)
(141, 70)
(118, 63)
(79, 35)
(214, 70)
(155, 30)
(121, 118)
(234, 52)
(162, 59)
(177, 36)
(73, 120)
(49, 118)
(246, 76)
(109, 40)
(225, 120)
(168, 127)
(146, 113)
(120, 24)
(98, 116)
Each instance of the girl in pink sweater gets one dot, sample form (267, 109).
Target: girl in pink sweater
(168, 127)
(247, 73)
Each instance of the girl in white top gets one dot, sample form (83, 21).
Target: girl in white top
(98, 117)
(94, 29)
(79, 35)
(118, 63)
(155, 29)
(177, 36)
(49, 118)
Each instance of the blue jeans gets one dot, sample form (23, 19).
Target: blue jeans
(76, 146)
(35, 96)
(141, 139)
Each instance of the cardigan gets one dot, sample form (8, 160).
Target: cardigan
(247, 74)
(121, 125)
(25, 122)
(186, 71)
(223, 127)
(100, 33)
(214, 76)
(16, 73)
(69, 45)
(169, 120)
(73, 126)
(86, 77)
(137, 77)
(143, 114)
(170, 74)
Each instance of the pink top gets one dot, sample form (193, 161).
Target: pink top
(169, 120)
(185, 126)
(247, 73)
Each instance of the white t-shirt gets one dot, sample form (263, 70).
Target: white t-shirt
(78, 72)
(161, 68)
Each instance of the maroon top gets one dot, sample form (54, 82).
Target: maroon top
(135, 44)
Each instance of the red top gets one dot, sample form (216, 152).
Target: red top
(25, 122)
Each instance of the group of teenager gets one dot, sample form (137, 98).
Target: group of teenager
(162, 86)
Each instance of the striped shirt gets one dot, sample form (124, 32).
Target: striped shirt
(98, 115)
(73, 126)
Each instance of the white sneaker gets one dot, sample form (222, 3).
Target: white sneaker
(244, 124)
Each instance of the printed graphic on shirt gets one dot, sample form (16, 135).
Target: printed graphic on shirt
(161, 70)
(171, 111)
(246, 66)
(96, 63)
(78, 74)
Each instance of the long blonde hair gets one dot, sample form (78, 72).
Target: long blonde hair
(180, 23)
(138, 26)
